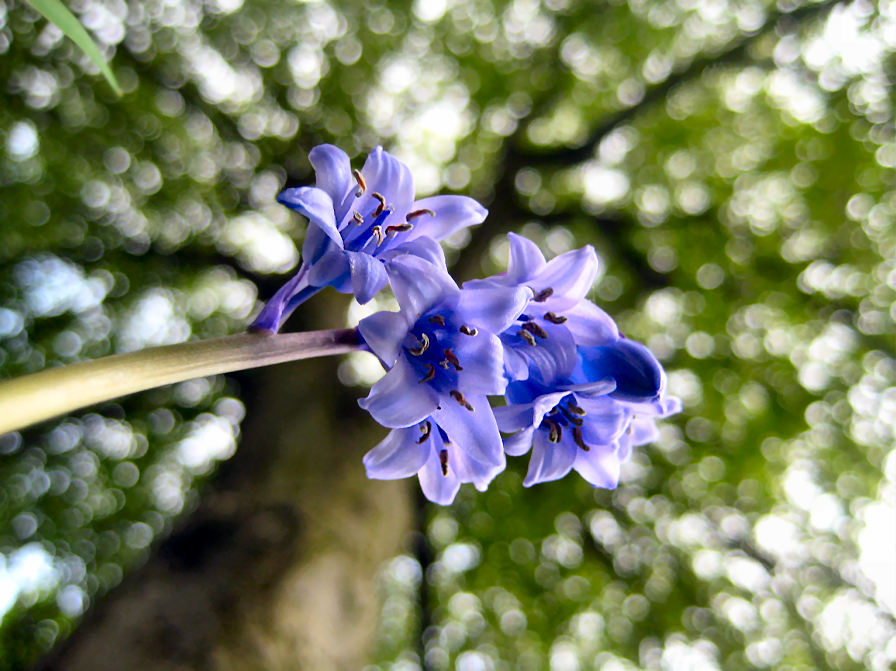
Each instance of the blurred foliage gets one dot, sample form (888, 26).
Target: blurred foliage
(732, 163)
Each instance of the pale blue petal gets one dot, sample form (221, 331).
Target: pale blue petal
(333, 174)
(670, 405)
(482, 359)
(452, 213)
(368, 276)
(551, 358)
(514, 417)
(526, 260)
(436, 487)
(624, 448)
(481, 475)
(426, 248)
(492, 309)
(384, 332)
(398, 400)
(550, 461)
(418, 285)
(589, 325)
(397, 456)
(332, 269)
(599, 388)
(515, 365)
(389, 177)
(519, 443)
(644, 431)
(316, 245)
(544, 404)
(314, 204)
(599, 466)
(476, 432)
(606, 419)
(570, 275)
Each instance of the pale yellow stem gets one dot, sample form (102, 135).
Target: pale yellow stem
(34, 398)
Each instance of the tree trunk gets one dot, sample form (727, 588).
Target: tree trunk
(275, 570)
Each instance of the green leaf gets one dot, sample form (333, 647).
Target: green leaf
(59, 15)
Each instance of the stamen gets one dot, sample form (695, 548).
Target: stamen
(430, 373)
(362, 185)
(382, 206)
(555, 431)
(377, 232)
(576, 421)
(553, 318)
(535, 329)
(469, 330)
(543, 295)
(398, 228)
(419, 213)
(358, 218)
(576, 410)
(425, 429)
(452, 357)
(630, 430)
(417, 351)
(443, 460)
(577, 436)
(438, 320)
(461, 401)
(528, 337)
(554, 410)
(444, 363)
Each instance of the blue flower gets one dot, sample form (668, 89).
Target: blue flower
(590, 420)
(443, 360)
(356, 221)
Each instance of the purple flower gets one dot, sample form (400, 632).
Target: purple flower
(443, 359)
(589, 421)
(356, 221)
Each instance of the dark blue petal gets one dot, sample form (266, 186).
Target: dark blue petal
(332, 269)
(639, 376)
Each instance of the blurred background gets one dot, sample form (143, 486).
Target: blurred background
(732, 161)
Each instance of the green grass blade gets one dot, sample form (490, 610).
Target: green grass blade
(59, 14)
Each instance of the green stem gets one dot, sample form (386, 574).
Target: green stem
(34, 398)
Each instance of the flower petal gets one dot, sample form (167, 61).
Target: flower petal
(526, 260)
(482, 359)
(606, 419)
(333, 174)
(599, 466)
(519, 443)
(639, 376)
(383, 332)
(426, 248)
(589, 325)
(315, 204)
(368, 276)
(550, 461)
(544, 404)
(570, 275)
(437, 487)
(599, 388)
(644, 431)
(397, 456)
(551, 358)
(451, 214)
(493, 309)
(514, 417)
(270, 317)
(398, 400)
(515, 365)
(418, 285)
(476, 433)
(332, 269)
(389, 177)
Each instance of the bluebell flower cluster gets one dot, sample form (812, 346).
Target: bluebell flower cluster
(577, 393)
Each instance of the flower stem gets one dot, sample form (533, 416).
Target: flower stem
(34, 398)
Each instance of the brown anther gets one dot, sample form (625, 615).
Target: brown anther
(555, 431)
(461, 401)
(577, 436)
(543, 295)
(362, 185)
(443, 460)
(425, 429)
(417, 351)
(358, 218)
(630, 430)
(438, 320)
(398, 228)
(576, 410)
(419, 213)
(554, 410)
(535, 329)
(452, 358)
(382, 206)
(528, 337)
(377, 232)
(430, 373)
(469, 330)
(553, 318)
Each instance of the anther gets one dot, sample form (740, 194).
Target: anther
(577, 436)
(543, 295)
(554, 410)
(444, 363)
(452, 358)
(382, 206)
(630, 430)
(362, 185)
(425, 429)
(419, 213)
(576, 410)
(461, 401)
(469, 330)
(528, 337)
(555, 431)
(377, 232)
(417, 351)
(398, 228)
(358, 218)
(553, 318)
(443, 460)
(535, 329)
(438, 320)
(430, 373)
